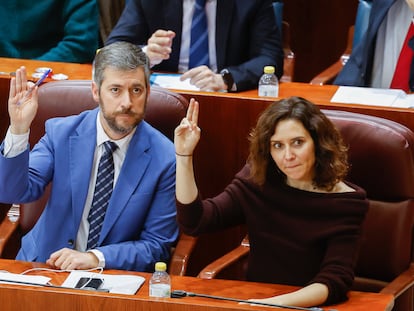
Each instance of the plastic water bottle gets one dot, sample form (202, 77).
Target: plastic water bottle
(268, 83)
(160, 282)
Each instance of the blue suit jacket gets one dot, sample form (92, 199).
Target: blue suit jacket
(358, 69)
(140, 225)
(247, 38)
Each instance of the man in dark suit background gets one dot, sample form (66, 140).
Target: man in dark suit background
(243, 38)
(374, 60)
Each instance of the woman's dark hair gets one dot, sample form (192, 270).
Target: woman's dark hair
(331, 158)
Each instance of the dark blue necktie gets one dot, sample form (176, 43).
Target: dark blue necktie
(199, 36)
(102, 194)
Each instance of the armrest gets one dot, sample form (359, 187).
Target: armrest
(181, 254)
(401, 283)
(8, 225)
(211, 270)
(329, 74)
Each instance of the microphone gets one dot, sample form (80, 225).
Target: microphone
(52, 286)
(182, 293)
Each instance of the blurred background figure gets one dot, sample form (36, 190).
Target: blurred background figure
(238, 38)
(109, 13)
(50, 30)
(383, 58)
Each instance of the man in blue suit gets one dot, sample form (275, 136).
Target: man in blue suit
(242, 37)
(139, 227)
(373, 61)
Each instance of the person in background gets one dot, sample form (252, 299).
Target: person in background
(378, 61)
(49, 30)
(303, 219)
(109, 13)
(139, 226)
(242, 39)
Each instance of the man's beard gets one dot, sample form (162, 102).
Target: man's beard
(111, 120)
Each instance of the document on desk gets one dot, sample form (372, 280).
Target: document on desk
(373, 97)
(114, 283)
(15, 278)
(172, 81)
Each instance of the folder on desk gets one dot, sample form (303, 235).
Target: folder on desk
(115, 283)
(373, 97)
(172, 81)
(15, 278)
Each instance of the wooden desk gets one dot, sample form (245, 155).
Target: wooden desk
(320, 95)
(74, 71)
(20, 297)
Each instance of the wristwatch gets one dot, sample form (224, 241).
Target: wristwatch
(228, 79)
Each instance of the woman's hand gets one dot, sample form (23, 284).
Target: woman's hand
(187, 133)
(186, 137)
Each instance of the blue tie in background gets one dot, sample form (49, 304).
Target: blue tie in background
(199, 36)
(102, 194)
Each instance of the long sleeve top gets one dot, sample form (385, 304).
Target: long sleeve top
(296, 237)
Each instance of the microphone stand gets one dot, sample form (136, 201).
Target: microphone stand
(181, 294)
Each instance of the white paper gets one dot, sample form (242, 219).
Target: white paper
(406, 101)
(172, 81)
(32, 279)
(372, 97)
(115, 283)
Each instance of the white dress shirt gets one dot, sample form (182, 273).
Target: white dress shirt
(188, 11)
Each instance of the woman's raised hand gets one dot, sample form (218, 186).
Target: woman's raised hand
(187, 133)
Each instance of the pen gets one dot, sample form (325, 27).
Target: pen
(30, 90)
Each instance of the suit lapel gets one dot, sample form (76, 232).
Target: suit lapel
(174, 20)
(224, 15)
(81, 153)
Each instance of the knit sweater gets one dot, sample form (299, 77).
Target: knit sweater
(50, 30)
(296, 237)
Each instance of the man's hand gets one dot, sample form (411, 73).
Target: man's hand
(22, 103)
(205, 79)
(69, 259)
(159, 46)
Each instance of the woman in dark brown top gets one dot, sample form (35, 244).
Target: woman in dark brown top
(303, 219)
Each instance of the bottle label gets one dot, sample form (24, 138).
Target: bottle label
(268, 90)
(160, 290)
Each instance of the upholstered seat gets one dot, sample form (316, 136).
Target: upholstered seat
(165, 110)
